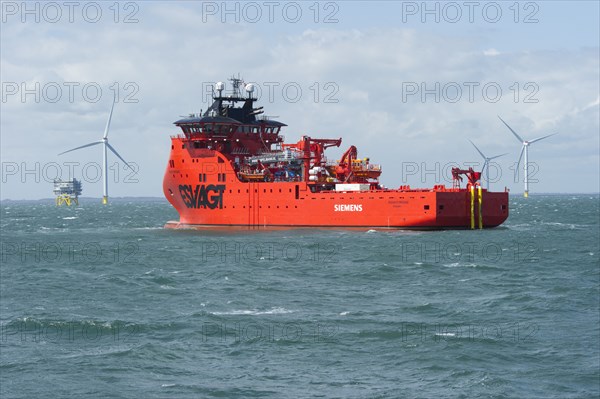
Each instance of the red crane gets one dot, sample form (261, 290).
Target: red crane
(344, 168)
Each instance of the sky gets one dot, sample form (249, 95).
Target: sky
(409, 83)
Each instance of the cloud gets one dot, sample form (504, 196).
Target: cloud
(492, 52)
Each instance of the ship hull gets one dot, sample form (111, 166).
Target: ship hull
(204, 188)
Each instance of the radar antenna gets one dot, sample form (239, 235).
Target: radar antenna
(236, 83)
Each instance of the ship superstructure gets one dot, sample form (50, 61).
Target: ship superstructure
(229, 166)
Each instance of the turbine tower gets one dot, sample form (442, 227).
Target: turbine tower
(524, 149)
(486, 165)
(105, 147)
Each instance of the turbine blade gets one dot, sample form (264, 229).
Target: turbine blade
(109, 118)
(83, 146)
(478, 150)
(117, 154)
(498, 156)
(513, 132)
(541, 138)
(483, 167)
(519, 161)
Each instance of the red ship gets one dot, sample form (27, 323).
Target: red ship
(231, 167)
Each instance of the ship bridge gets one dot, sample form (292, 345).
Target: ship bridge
(231, 128)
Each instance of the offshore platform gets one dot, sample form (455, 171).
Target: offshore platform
(67, 192)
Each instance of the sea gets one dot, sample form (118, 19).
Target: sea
(103, 302)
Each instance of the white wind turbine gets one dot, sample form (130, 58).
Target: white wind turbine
(105, 147)
(486, 165)
(524, 149)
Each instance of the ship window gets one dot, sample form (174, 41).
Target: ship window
(503, 207)
(441, 207)
(264, 190)
(220, 160)
(246, 191)
(238, 190)
(426, 207)
(297, 191)
(182, 146)
(172, 147)
(279, 190)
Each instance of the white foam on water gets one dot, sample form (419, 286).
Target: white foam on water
(277, 310)
(445, 334)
